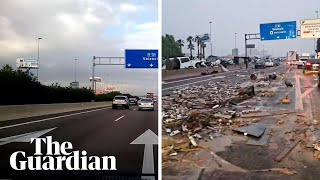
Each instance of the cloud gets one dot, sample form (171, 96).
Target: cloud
(78, 29)
(126, 7)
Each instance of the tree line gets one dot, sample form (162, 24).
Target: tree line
(173, 48)
(18, 87)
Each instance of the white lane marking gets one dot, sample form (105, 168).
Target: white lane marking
(193, 83)
(26, 137)
(307, 92)
(285, 74)
(299, 103)
(119, 118)
(48, 119)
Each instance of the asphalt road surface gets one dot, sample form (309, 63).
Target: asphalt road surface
(305, 93)
(100, 132)
(231, 76)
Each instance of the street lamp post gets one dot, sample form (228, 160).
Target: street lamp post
(210, 38)
(39, 38)
(75, 70)
(314, 40)
(235, 40)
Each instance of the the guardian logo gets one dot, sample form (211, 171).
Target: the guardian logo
(59, 157)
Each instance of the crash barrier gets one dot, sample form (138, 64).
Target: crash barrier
(23, 111)
(182, 73)
(168, 74)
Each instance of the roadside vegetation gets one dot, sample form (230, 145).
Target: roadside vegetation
(18, 87)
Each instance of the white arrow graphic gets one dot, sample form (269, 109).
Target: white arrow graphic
(148, 138)
(26, 137)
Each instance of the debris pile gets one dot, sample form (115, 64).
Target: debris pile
(205, 111)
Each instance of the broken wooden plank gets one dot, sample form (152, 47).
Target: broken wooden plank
(287, 150)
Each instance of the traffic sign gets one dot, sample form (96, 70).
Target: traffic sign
(310, 28)
(205, 38)
(251, 46)
(279, 30)
(141, 58)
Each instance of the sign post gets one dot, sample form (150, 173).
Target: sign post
(279, 30)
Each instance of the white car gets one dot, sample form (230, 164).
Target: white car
(146, 104)
(269, 63)
(120, 101)
(186, 63)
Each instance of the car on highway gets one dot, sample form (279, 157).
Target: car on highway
(311, 66)
(120, 101)
(269, 63)
(276, 62)
(260, 64)
(133, 101)
(146, 104)
(301, 63)
(186, 63)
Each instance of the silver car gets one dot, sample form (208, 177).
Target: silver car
(120, 101)
(146, 104)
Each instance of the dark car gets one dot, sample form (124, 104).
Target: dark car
(276, 62)
(133, 101)
(311, 66)
(260, 64)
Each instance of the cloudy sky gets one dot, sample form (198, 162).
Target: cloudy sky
(182, 18)
(80, 29)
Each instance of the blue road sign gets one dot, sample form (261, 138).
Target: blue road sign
(280, 30)
(141, 58)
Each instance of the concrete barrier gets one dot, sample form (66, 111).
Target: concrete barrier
(182, 73)
(23, 111)
(179, 73)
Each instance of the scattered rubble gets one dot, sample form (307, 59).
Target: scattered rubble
(196, 112)
(203, 113)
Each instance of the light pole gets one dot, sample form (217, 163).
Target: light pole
(235, 40)
(210, 38)
(39, 38)
(314, 40)
(75, 70)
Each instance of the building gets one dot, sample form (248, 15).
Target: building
(74, 85)
(235, 52)
(99, 87)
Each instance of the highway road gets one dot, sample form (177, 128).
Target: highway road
(231, 76)
(304, 99)
(305, 94)
(100, 132)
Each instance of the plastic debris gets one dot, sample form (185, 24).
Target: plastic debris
(193, 141)
(286, 100)
(174, 133)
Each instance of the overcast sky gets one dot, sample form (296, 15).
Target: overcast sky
(182, 18)
(80, 29)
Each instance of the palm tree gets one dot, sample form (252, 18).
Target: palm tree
(181, 44)
(190, 45)
(7, 68)
(197, 39)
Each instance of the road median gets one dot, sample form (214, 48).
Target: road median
(185, 73)
(25, 111)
